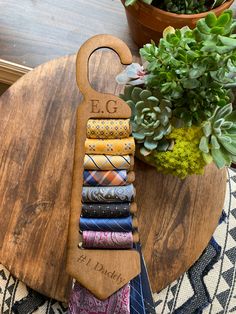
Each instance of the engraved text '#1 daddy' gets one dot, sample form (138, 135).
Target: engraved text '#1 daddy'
(99, 267)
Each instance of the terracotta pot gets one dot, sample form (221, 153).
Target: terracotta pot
(147, 22)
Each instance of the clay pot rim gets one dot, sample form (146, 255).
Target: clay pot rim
(155, 10)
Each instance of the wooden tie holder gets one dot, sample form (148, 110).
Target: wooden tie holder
(116, 267)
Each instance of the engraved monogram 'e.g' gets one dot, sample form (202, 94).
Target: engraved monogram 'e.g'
(110, 106)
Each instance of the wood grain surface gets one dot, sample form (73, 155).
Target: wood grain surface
(67, 24)
(33, 32)
(37, 118)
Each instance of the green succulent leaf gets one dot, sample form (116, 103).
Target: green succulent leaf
(227, 125)
(225, 138)
(218, 123)
(136, 94)
(228, 41)
(223, 112)
(195, 73)
(145, 94)
(207, 158)
(147, 1)
(203, 145)
(232, 117)
(229, 146)
(217, 30)
(129, 2)
(150, 144)
(144, 151)
(207, 128)
(203, 27)
(214, 142)
(138, 136)
(223, 19)
(211, 19)
(232, 130)
(163, 145)
(190, 83)
(220, 158)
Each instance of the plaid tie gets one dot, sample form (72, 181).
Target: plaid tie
(105, 178)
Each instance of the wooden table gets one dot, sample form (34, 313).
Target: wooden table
(37, 118)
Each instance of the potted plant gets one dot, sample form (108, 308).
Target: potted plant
(147, 19)
(181, 97)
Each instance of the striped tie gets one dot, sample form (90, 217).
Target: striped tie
(106, 162)
(124, 224)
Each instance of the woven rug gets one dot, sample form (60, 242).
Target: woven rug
(207, 287)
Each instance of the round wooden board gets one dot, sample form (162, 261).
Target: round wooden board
(37, 118)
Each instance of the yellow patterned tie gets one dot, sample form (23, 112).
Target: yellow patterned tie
(125, 146)
(108, 128)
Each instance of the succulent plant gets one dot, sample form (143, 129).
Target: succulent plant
(194, 69)
(219, 139)
(182, 6)
(189, 6)
(150, 118)
(185, 6)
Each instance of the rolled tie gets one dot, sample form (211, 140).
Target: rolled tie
(125, 146)
(111, 210)
(107, 178)
(108, 162)
(108, 128)
(124, 224)
(107, 194)
(107, 240)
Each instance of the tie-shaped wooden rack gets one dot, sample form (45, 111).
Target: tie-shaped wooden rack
(122, 264)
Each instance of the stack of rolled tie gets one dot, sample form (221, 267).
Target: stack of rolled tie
(108, 193)
(108, 215)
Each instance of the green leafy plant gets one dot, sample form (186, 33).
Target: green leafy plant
(182, 6)
(182, 116)
(150, 118)
(194, 68)
(219, 139)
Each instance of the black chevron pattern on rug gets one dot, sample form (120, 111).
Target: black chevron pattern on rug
(3, 275)
(228, 276)
(30, 303)
(196, 273)
(34, 300)
(222, 297)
